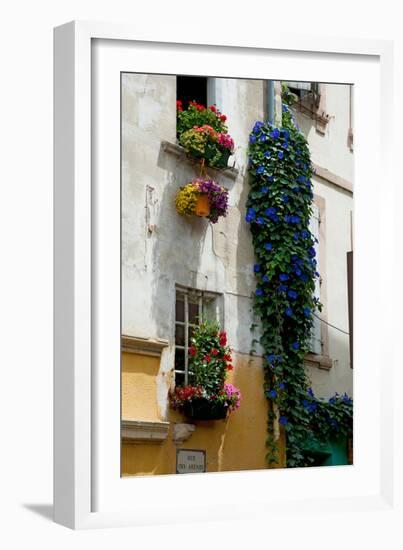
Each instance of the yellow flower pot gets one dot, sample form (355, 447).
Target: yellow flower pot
(202, 208)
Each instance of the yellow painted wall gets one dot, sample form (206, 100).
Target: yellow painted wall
(236, 443)
(139, 386)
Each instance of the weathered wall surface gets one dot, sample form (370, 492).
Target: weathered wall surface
(139, 387)
(331, 151)
(336, 242)
(160, 248)
(237, 443)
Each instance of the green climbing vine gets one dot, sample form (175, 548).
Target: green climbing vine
(279, 209)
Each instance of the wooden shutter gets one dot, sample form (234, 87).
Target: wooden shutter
(316, 335)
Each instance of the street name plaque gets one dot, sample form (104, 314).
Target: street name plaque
(190, 461)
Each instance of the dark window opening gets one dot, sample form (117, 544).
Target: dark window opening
(191, 88)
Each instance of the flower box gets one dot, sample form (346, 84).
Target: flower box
(208, 397)
(205, 409)
(204, 134)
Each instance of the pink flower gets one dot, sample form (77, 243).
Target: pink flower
(226, 141)
(233, 395)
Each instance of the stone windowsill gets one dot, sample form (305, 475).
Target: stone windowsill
(179, 152)
(322, 362)
(143, 346)
(144, 431)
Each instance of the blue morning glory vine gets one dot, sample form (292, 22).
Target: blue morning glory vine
(279, 209)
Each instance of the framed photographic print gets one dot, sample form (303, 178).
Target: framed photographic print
(210, 203)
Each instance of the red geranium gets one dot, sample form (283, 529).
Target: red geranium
(223, 118)
(213, 108)
(179, 105)
(223, 338)
(209, 363)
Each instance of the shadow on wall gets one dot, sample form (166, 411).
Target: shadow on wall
(177, 244)
(244, 241)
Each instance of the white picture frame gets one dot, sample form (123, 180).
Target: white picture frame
(88, 490)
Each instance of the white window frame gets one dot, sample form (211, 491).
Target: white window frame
(201, 296)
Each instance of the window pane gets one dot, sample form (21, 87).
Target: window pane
(179, 359)
(180, 335)
(179, 378)
(210, 310)
(180, 310)
(300, 85)
(193, 313)
(191, 88)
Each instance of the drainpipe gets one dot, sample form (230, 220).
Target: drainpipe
(270, 101)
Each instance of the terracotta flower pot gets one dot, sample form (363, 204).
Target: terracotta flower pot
(202, 208)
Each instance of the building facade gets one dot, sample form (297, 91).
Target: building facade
(176, 271)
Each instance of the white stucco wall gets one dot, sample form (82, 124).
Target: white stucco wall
(332, 152)
(338, 205)
(161, 248)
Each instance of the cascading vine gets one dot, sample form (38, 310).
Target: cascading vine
(279, 209)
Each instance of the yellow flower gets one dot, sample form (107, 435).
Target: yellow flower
(186, 199)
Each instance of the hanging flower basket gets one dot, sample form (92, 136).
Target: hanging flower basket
(202, 197)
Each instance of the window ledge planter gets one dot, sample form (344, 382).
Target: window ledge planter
(203, 409)
(322, 362)
(179, 152)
